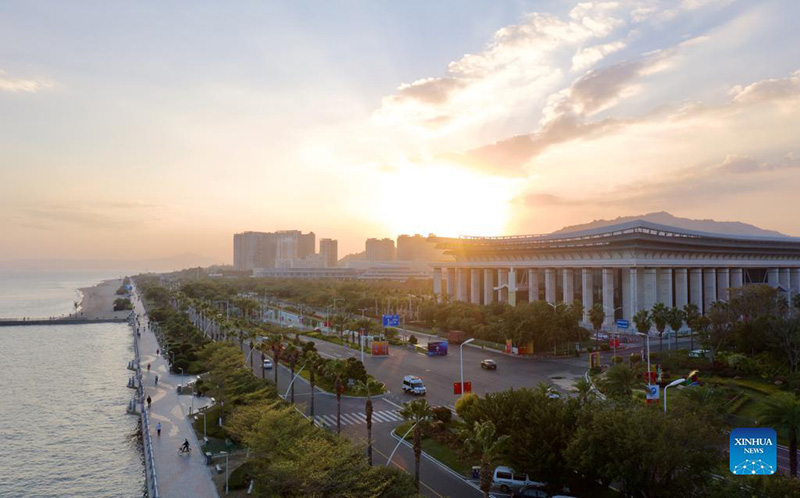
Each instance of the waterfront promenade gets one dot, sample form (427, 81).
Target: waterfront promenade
(178, 475)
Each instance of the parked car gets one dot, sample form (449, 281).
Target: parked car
(413, 385)
(529, 492)
(507, 480)
(698, 353)
(267, 364)
(489, 364)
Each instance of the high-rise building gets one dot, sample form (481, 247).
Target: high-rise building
(416, 247)
(271, 249)
(380, 250)
(329, 252)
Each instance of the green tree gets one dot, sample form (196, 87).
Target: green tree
(660, 314)
(336, 370)
(291, 353)
(419, 413)
(311, 361)
(369, 388)
(675, 319)
(620, 380)
(722, 319)
(691, 314)
(275, 344)
(643, 321)
(782, 412)
(482, 439)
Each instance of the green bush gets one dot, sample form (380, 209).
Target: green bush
(635, 358)
(442, 414)
(617, 359)
(241, 476)
(589, 349)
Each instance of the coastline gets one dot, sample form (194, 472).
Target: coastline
(97, 302)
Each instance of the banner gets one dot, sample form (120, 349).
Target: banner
(380, 348)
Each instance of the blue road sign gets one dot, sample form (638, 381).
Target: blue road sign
(622, 324)
(391, 320)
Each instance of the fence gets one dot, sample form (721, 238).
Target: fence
(149, 457)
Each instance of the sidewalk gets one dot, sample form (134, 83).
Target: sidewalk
(177, 475)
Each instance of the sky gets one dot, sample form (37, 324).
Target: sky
(135, 130)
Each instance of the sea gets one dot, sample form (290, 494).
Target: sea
(63, 427)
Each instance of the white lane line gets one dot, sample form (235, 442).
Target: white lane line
(329, 419)
(350, 418)
(380, 417)
(394, 416)
(392, 403)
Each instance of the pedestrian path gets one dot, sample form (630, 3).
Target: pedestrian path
(177, 475)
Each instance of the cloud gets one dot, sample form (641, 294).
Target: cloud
(22, 85)
(768, 90)
(100, 215)
(589, 56)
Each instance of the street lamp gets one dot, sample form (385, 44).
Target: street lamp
(647, 337)
(671, 384)
(461, 361)
(400, 442)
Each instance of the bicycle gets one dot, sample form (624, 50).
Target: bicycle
(187, 451)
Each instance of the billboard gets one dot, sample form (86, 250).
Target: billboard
(437, 348)
(380, 348)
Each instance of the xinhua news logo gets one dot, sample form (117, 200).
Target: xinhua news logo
(754, 452)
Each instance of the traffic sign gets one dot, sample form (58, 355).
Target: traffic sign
(457, 387)
(391, 320)
(623, 324)
(652, 391)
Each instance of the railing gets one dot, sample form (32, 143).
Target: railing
(149, 457)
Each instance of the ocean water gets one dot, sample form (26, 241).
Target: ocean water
(63, 394)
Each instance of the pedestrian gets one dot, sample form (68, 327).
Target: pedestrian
(148, 367)
(158, 429)
(156, 379)
(157, 350)
(149, 401)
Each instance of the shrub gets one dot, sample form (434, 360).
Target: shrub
(241, 476)
(442, 414)
(467, 408)
(617, 359)
(412, 339)
(635, 358)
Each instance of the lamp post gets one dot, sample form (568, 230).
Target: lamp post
(292, 382)
(361, 334)
(647, 338)
(671, 384)
(461, 361)
(399, 443)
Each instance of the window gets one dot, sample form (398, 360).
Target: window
(504, 475)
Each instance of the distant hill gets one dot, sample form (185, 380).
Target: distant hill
(664, 218)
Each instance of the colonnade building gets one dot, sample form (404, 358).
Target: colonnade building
(626, 267)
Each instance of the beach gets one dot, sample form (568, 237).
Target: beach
(98, 301)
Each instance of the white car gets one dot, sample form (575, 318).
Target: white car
(507, 480)
(413, 384)
(698, 353)
(267, 364)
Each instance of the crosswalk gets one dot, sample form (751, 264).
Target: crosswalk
(358, 418)
(381, 416)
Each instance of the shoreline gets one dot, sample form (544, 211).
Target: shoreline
(97, 302)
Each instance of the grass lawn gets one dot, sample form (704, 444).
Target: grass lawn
(439, 451)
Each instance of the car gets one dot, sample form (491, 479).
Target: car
(413, 385)
(507, 480)
(698, 353)
(601, 336)
(489, 364)
(529, 492)
(267, 364)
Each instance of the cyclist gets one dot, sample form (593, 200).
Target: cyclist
(185, 446)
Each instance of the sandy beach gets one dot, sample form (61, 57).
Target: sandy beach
(98, 301)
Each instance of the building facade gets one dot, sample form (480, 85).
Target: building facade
(329, 252)
(380, 250)
(271, 249)
(626, 267)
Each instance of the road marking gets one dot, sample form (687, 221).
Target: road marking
(380, 417)
(392, 403)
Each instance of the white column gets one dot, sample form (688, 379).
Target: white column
(650, 285)
(796, 280)
(512, 287)
(502, 282)
(475, 286)
(633, 302)
(608, 295)
(737, 277)
(723, 283)
(533, 285)
(488, 286)
(664, 294)
(785, 278)
(451, 283)
(681, 288)
(586, 292)
(709, 287)
(437, 284)
(461, 284)
(696, 286)
(568, 285)
(550, 285)
(773, 277)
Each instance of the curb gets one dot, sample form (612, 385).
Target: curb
(594, 388)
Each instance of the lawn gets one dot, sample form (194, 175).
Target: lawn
(448, 456)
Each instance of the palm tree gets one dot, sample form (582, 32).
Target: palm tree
(311, 361)
(643, 321)
(370, 387)
(597, 316)
(620, 381)
(336, 370)
(783, 414)
(675, 321)
(660, 314)
(483, 439)
(691, 313)
(419, 413)
(275, 344)
(292, 354)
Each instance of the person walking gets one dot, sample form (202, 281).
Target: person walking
(158, 429)
(156, 379)
(149, 401)
(157, 350)
(148, 367)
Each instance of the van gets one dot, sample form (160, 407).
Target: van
(413, 384)
(507, 480)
